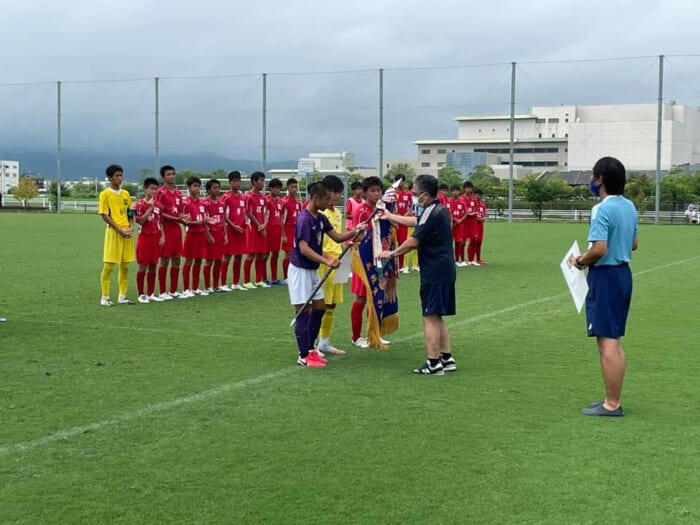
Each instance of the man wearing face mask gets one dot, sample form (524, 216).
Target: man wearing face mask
(612, 238)
(433, 240)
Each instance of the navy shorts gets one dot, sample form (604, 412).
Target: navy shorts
(437, 299)
(608, 300)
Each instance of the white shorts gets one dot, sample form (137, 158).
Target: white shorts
(301, 282)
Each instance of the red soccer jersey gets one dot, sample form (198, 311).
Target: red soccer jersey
(275, 206)
(470, 203)
(170, 202)
(293, 208)
(481, 210)
(458, 208)
(216, 211)
(404, 202)
(351, 206)
(443, 199)
(256, 204)
(152, 224)
(197, 210)
(235, 204)
(362, 213)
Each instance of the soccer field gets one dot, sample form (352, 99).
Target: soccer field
(194, 411)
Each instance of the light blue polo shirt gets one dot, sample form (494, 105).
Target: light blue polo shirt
(614, 220)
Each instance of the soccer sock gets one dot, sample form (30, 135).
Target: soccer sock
(162, 276)
(274, 263)
(260, 271)
(445, 355)
(123, 278)
(464, 246)
(224, 271)
(196, 271)
(356, 319)
(327, 323)
(315, 324)
(217, 273)
(207, 276)
(174, 277)
(470, 251)
(140, 278)
(104, 278)
(237, 271)
(285, 266)
(478, 251)
(301, 331)
(186, 276)
(434, 362)
(151, 282)
(246, 269)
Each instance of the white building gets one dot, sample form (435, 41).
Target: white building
(9, 175)
(572, 137)
(331, 161)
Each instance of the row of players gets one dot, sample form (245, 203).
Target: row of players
(221, 229)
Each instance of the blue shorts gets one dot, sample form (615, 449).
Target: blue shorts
(438, 299)
(608, 300)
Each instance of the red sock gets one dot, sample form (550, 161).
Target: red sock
(196, 271)
(285, 266)
(237, 271)
(246, 269)
(464, 246)
(151, 281)
(140, 277)
(217, 273)
(274, 263)
(162, 277)
(185, 276)
(224, 270)
(470, 251)
(401, 260)
(356, 319)
(174, 277)
(207, 276)
(478, 251)
(260, 270)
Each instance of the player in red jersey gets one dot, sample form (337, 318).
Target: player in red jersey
(274, 229)
(195, 247)
(353, 203)
(236, 224)
(443, 195)
(217, 238)
(404, 207)
(478, 238)
(290, 212)
(258, 214)
(169, 200)
(150, 240)
(458, 209)
(470, 221)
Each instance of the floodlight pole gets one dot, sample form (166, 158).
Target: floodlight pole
(659, 122)
(381, 123)
(512, 142)
(264, 122)
(58, 147)
(156, 158)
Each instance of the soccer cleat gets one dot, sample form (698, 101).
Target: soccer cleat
(384, 341)
(262, 284)
(124, 300)
(240, 287)
(330, 349)
(200, 292)
(106, 301)
(176, 295)
(210, 290)
(600, 410)
(154, 299)
(315, 355)
(223, 288)
(165, 296)
(448, 365)
(143, 299)
(3, 320)
(249, 286)
(186, 294)
(404, 270)
(310, 362)
(361, 342)
(474, 263)
(277, 282)
(416, 268)
(428, 370)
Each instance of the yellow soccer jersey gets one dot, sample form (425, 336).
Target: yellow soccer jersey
(330, 247)
(116, 205)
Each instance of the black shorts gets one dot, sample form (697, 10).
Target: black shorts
(608, 300)
(438, 299)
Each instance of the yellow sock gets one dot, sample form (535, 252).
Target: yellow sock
(104, 278)
(123, 278)
(327, 323)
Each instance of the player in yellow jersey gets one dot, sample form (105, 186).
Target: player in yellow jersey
(332, 293)
(117, 211)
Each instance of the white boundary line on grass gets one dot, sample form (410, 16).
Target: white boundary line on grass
(193, 398)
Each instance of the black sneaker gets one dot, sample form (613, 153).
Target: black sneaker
(428, 370)
(448, 365)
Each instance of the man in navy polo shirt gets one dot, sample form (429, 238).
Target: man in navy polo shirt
(433, 240)
(612, 238)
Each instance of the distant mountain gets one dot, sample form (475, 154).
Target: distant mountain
(76, 164)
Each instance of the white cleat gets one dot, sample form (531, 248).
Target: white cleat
(106, 301)
(384, 341)
(165, 296)
(155, 299)
(210, 290)
(143, 299)
(404, 270)
(361, 342)
(241, 288)
(176, 295)
(224, 288)
(475, 264)
(416, 268)
(186, 294)
(124, 300)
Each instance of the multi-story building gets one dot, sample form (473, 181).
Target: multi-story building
(9, 175)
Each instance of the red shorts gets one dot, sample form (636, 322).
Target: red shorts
(469, 229)
(401, 233)
(357, 286)
(236, 243)
(195, 245)
(255, 243)
(215, 252)
(274, 238)
(458, 232)
(478, 232)
(289, 232)
(173, 241)
(147, 249)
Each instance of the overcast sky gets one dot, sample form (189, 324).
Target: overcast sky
(45, 41)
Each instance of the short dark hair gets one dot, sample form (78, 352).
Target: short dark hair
(317, 189)
(291, 180)
(211, 182)
(355, 185)
(371, 182)
(613, 173)
(333, 183)
(165, 168)
(150, 181)
(455, 187)
(274, 183)
(112, 169)
(468, 184)
(478, 191)
(234, 175)
(399, 176)
(442, 186)
(410, 186)
(427, 184)
(193, 180)
(257, 175)
(310, 187)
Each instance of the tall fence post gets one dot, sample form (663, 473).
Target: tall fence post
(264, 122)
(381, 123)
(156, 157)
(512, 142)
(58, 147)
(659, 122)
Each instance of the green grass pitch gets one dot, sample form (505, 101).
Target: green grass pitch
(194, 411)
